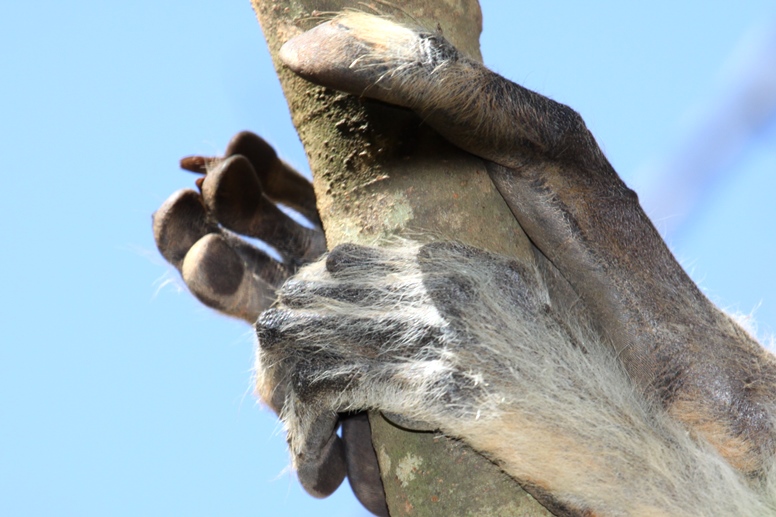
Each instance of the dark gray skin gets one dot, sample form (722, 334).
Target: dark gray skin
(594, 243)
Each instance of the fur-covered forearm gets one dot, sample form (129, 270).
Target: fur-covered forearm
(467, 342)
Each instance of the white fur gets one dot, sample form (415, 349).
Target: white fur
(545, 410)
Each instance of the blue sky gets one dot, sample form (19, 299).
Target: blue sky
(119, 394)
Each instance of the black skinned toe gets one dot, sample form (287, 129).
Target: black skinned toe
(361, 460)
(232, 191)
(218, 268)
(254, 148)
(321, 465)
(234, 195)
(281, 183)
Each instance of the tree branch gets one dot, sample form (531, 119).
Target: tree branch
(378, 172)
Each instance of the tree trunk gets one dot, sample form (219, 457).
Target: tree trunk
(379, 172)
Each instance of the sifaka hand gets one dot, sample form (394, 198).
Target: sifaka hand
(200, 233)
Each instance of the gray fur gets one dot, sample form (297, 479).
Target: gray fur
(470, 343)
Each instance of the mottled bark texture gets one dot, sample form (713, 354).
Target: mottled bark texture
(379, 172)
